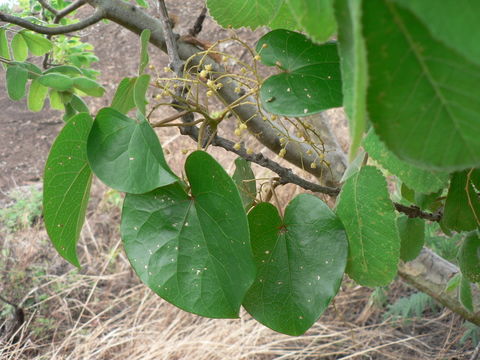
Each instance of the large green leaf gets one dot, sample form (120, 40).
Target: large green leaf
(248, 13)
(36, 43)
(66, 188)
(69, 70)
(123, 99)
(126, 155)
(16, 79)
(368, 215)
(422, 95)
(462, 208)
(140, 92)
(412, 235)
(353, 62)
(37, 95)
(144, 58)
(192, 249)
(19, 47)
(316, 18)
(311, 79)
(244, 178)
(417, 179)
(300, 260)
(454, 22)
(469, 257)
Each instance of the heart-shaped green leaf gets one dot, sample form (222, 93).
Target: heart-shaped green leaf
(465, 294)
(462, 207)
(311, 79)
(192, 249)
(66, 188)
(126, 154)
(412, 235)
(365, 208)
(300, 260)
(422, 96)
(420, 180)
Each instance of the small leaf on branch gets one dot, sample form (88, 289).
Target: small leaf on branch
(16, 79)
(465, 294)
(244, 178)
(37, 95)
(144, 58)
(88, 86)
(140, 92)
(462, 207)
(412, 235)
(469, 257)
(300, 259)
(192, 250)
(36, 43)
(311, 79)
(126, 154)
(66, 190)
(123, 99)
(19, 47)
(56, 81)
(4, 50)
(365, 208)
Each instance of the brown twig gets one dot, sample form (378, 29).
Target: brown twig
(198, 26)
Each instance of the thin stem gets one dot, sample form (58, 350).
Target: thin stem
(89, 21)
(170, 118)
(175, 63)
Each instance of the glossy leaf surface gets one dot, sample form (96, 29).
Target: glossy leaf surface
(66, 190)
(300, 259)
(126, 154)
(192, 250)
(366, 211)
(310, 80)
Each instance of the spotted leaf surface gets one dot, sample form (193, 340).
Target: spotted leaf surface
(66, 186)
(300, 259)
(192, 249)
(310, 79)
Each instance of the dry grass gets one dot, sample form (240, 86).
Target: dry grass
(103, 312)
